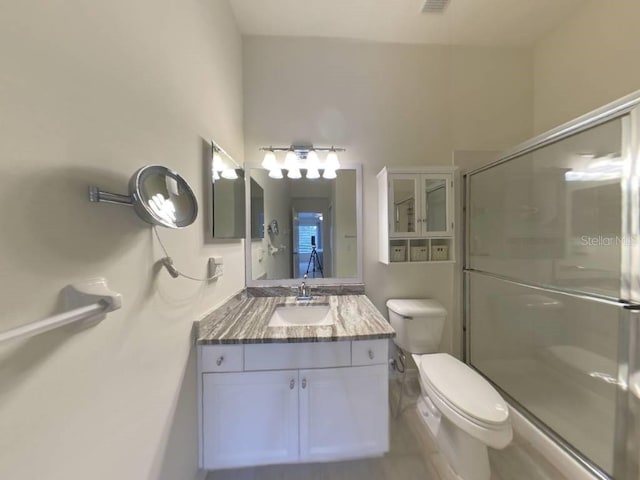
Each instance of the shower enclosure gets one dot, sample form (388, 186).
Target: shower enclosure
(552, 284)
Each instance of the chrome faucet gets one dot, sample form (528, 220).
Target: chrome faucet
(304, 290)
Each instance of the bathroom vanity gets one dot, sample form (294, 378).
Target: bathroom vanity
(297, 392)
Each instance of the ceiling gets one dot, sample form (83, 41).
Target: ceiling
(507, 23)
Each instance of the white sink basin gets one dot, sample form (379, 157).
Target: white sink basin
(301, 315)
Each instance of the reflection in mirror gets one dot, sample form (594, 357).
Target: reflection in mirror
(227, 196)
(404, 205)
(257, 210)
(317, 227)
(435, 196)
(228, 206)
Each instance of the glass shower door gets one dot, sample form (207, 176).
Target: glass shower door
(546, 259)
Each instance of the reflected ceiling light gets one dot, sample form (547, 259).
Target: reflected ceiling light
(275, 173)
(222, 165)
(609, 167)
(302, 157)
(217, 163)
(294, 173)
(229, 174)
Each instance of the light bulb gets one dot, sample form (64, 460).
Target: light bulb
(275, 173)
(332, 162)
(291, 160)
(229, 174)
(329, 174)
(313, 173)
(313, 162)
(294, 173)
(215, 175)
(270, 162)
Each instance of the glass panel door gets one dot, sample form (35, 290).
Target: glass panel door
(436, 194)
(554, 216)
(403, 205)
(555, 354)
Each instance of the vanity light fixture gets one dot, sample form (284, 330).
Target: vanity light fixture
(222, 168)
(302, 157)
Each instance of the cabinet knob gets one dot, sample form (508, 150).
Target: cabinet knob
(371, 354)
(292, 384)
(220, 360)
(304, 383)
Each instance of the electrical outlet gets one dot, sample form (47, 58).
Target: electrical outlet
(216, 267)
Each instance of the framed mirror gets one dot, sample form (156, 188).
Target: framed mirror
(227, 196)
(308, 226)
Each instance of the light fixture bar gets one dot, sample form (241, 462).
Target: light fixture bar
(302, 149)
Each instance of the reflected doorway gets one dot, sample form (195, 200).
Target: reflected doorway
(308, 244)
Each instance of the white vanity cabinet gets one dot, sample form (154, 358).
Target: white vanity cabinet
(293, 414)
(342, 413)
(249, 418)
(416, 214)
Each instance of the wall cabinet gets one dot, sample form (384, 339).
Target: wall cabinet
(416, 214)
(294, 414)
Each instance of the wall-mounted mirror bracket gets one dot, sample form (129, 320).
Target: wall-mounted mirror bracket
(97, 195)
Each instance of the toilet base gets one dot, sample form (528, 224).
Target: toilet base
(467, 456)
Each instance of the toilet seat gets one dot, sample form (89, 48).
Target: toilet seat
(465, 398)
(464, 389)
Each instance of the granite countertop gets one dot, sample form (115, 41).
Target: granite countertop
(244, 319)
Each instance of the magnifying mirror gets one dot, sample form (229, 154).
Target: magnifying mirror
(158, 195)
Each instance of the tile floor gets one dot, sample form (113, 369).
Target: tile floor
(413, 456)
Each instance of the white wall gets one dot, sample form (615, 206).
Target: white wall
(588, 61)
(388, 105)
(89, 92)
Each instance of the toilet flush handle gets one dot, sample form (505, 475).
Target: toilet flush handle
(406, 317)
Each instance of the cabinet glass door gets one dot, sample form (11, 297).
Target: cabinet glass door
(403, 205)
(435, 211)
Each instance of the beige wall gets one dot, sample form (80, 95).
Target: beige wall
(89, 92)
(590, 60)
(388, 105)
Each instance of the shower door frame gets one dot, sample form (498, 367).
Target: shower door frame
(627, 422)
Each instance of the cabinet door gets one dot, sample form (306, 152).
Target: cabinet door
(250, 418)
(344, 413)
(404, 191)
(436, 211)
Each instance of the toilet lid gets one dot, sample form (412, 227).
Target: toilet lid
(463, 388)
(416, 307)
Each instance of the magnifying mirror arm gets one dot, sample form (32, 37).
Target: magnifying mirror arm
(97, 195)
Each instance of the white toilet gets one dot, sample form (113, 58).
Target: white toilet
(464, 413)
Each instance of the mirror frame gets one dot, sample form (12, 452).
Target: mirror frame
(358, 279)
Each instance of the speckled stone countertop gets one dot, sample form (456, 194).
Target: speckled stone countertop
(244, 319)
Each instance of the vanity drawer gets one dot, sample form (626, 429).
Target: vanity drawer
(222, 358)
(281, 356)
(369, 352)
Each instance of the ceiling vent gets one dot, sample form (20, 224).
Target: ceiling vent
(435, 6)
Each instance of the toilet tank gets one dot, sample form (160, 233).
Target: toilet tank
(418, 323)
